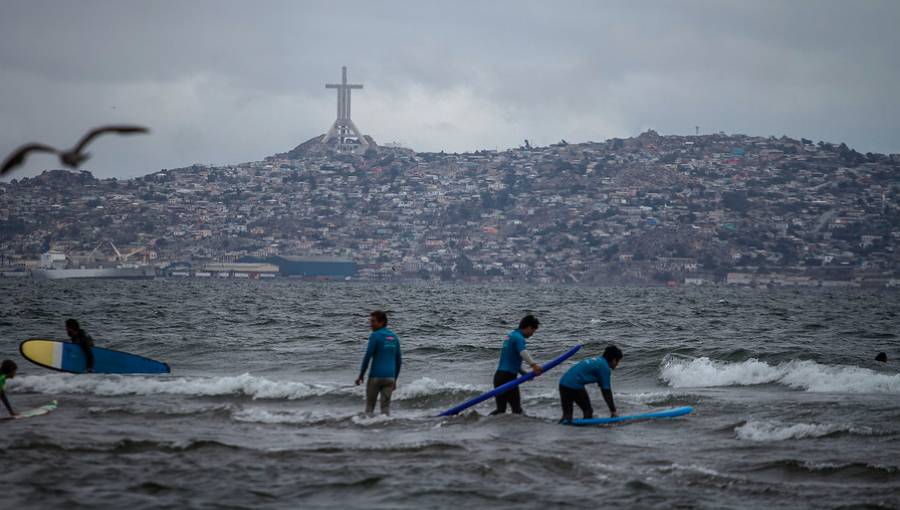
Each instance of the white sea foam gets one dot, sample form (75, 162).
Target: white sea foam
(549, 394)
(255, 387)
(181, 410)
(682, 372)
(654, 397)
(763, 431)
(372, 419)
(694, 468)
(321, 414)
(256, 415)
(115, 385)
(427, 386)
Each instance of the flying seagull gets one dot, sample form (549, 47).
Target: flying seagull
(72, 158)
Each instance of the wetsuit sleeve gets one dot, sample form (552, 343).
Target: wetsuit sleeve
(607, 396)
(6, 402)
(85, 341)
(88, 356)
(370, 353)
(527, 357)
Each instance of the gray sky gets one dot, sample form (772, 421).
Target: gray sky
(224, 82)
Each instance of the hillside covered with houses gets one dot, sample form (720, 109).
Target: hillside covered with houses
(651, 210)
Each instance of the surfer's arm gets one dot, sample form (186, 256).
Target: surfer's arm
(6, 403)
(607, 396)
(528, 359)
(370, 353)
(363, 368)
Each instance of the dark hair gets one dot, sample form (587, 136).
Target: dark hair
(7, 367)
(529, 321)
(72, 323)
(612, 353)
(882, 356)
(380, 316)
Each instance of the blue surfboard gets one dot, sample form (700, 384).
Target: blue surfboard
(662, 414)
(67, 357)
(508, 386)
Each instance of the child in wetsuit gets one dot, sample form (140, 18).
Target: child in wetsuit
(80, 337)
(7, 371)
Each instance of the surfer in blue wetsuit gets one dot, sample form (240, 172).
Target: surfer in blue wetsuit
(7, 371)
(384, 353)
(80, 337)
(595, 370)
(511, 356)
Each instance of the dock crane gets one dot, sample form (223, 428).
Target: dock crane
(118, 253)
(124, 257)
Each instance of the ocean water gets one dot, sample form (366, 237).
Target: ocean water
(260, 410)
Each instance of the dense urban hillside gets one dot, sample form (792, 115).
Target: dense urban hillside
(647, 210)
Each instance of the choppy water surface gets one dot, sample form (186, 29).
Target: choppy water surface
(260, 411)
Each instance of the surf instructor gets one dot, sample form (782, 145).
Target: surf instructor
(511, 356)
(384, 353)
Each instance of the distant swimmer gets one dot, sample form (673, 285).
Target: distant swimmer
(80, 337)
(71, 158)
(7, 371)
(384, 353)
(510, 366)
(882, 356)
(595, 370)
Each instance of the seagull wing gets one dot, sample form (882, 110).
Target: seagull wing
(18, 157)
(122, 130)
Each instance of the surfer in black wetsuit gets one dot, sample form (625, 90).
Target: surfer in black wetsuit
(80, 337)
(598, 370)
(7, 371)
(511, 356)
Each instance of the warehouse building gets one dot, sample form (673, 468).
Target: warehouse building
(334, 268)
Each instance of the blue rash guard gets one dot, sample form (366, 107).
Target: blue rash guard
(589, 371)
(384, 352)
(510, 359)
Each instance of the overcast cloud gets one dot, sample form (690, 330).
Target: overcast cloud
(225, 82)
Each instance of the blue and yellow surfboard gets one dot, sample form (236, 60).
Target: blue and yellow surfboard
(67, 357)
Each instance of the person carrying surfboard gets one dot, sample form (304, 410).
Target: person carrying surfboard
(384, 353)
(7, 371)
(594, 370)
(80, 337)
(510, 366)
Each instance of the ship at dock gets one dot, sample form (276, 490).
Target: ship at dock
(56, 266)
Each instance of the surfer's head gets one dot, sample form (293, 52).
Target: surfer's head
(379, 319)
(528, 325)
(529, 321)
(72, 326)
(8, 368)
(612, 355)
(882, 356)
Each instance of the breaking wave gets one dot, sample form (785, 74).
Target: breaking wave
(765, 431)
(245, 385)
(686, 372)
